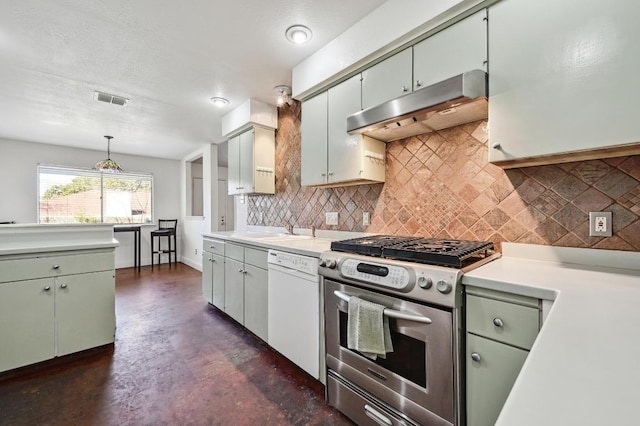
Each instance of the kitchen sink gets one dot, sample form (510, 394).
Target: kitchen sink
(270, 236)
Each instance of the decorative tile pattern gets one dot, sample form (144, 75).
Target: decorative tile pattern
(441, 185)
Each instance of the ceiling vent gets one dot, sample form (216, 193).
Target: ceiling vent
(110, 99)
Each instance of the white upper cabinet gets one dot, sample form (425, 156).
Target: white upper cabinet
(252, 162)
(313, 129)
(330, 156)
(387, 80)
(459, 48)
(563, 80)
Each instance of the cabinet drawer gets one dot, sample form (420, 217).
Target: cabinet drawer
(53, 266)
(519, 324)
(234, 251)
(213, 246)
(255, 257)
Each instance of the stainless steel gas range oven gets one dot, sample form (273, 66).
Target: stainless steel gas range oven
(418, 282)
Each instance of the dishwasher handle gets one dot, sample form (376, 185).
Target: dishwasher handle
(390, 312)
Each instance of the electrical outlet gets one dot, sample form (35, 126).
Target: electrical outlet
(366, 218)
(600, 224)
(331, 218)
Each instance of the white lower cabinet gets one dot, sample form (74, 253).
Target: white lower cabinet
(27, 323)
(501, 328)
(65, 311)
(492, 369)
(85, 306)
(234, 289)
(255, 301)
(213, 272)
(246, 287)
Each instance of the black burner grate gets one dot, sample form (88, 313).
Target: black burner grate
(432, 251)
(453, 253)
(369, 246)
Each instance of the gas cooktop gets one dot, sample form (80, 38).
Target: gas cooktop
(432, 251)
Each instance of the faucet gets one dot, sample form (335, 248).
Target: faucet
(313, 231)
(290, 228)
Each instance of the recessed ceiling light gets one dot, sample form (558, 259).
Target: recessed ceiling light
(298, 34)
(219, 102)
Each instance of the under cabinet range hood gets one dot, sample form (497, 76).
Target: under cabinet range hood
(454, 101)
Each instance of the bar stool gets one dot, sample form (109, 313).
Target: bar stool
(166, 228)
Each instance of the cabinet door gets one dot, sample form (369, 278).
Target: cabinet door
(343, 149)
(568, 83)
(85, 311)
(247, 161)
(217, 281)
(234, 289)
(207, 276)
(490, 379)
(255, 301)
(264, 161)
(459, 48)
(387, 80)
(313, 130)
(27, 327)
(233, 180)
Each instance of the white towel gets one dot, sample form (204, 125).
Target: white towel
(368, 328)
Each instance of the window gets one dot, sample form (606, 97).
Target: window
(76, 195)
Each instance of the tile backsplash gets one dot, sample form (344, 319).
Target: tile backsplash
(441, 185)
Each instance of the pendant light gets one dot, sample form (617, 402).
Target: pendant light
(108, 165)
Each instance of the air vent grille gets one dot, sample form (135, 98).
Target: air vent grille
(110, 99)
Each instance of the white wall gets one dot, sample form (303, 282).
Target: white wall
(18, 192)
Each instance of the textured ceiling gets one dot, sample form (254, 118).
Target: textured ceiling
(168, 57)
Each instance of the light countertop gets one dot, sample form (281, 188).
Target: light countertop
(583, 366)
(300, 244)
(40, 238)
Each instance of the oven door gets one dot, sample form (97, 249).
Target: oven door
(417, 378)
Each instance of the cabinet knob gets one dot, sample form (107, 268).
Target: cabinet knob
(63, 286)
(418, 83)
(405, 89)
(56, 266)
(498, 322)
(330, 173)
(47, 288)
(323, 174)
(475, 356)
(240, 270)
(496, 146)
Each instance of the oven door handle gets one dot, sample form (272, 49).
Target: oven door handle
(390, 312)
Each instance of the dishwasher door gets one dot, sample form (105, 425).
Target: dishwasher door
(294, 316)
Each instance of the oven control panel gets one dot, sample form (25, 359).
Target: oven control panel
(385, 275)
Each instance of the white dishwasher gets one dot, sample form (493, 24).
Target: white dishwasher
(294, 309)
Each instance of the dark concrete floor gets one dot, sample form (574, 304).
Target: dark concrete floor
(176, 361)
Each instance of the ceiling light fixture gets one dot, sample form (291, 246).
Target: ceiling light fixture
(298, 34)
(108, 165)
(284, 95)
(219, 102)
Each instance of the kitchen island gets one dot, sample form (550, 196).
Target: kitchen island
(582, 368)
(57, 291)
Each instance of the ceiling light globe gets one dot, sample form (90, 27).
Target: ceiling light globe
(298, 34)
(219, 102)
